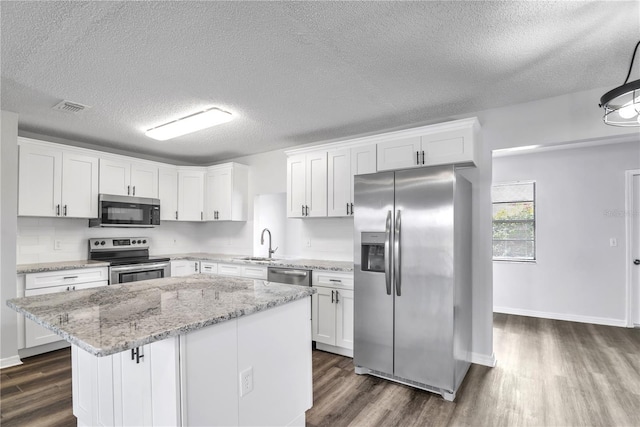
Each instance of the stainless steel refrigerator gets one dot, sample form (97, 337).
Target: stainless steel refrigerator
(412, 262)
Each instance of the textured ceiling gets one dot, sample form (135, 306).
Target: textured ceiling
(295, 72)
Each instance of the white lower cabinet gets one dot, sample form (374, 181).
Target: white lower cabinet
(194, 379)
(30, 333)
(138, 387)
(245, 271)
(184, 268)
(208, 267)
(332, 312)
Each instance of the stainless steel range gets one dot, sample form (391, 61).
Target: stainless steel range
(129, 259)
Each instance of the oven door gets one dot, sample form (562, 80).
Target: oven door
(136, 272)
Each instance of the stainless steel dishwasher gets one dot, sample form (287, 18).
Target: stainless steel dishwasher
(291, 276)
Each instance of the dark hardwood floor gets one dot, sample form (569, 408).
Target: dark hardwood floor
(549, 373)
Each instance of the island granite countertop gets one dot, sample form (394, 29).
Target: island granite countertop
(116, 318)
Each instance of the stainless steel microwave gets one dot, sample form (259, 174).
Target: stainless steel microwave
(126, 211)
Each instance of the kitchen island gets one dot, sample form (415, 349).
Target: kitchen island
(196, 350)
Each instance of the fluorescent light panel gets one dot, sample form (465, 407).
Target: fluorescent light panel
(189, 124)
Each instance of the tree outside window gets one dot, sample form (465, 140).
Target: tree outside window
(514, 223)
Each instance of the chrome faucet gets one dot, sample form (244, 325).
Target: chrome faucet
(271, 251)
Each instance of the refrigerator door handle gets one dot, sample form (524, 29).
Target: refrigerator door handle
(387, 252)
(396, 255)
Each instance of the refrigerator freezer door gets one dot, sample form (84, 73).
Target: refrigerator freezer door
(373, 306)
(424, 308)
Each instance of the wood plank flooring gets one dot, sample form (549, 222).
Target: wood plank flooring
(549, 373)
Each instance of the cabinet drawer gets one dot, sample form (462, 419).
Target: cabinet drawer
(66, 277)
(332, 279)
(254, 272)
(229, 270)
(208, 267)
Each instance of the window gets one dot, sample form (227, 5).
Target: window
(514, 221)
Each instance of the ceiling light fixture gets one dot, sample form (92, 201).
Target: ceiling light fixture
(189, 124)
(622, 104)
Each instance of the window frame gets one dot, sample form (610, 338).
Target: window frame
(535, 223)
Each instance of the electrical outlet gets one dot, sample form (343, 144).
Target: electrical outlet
(308, 243)
(57, 245)
(246, 381)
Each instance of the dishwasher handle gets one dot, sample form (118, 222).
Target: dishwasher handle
(289, 276)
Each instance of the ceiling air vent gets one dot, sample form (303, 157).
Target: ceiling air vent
(70, 107)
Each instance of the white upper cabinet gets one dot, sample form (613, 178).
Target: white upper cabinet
(168, 192)
(307, 185)
(226, 192)
(343, 165)
(126, 178)
(53, 181)
(445, 143)
(190, 194)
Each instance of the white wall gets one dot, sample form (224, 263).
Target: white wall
(8, 212)
(577, 276)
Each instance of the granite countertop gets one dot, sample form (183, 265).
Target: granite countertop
(60, 265)
(117, 318)
(310, 264)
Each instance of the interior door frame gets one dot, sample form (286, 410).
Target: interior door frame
(629, 216)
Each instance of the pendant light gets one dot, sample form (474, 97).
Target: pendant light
(622, 104)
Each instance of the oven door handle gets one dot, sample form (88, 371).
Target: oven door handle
(119, 269)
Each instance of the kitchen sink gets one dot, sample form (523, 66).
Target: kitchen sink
(257, 259)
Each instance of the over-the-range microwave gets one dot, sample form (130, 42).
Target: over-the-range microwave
(126, 211)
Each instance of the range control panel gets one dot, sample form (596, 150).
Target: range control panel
(121, 243)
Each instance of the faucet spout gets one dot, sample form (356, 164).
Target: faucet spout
(271, 251)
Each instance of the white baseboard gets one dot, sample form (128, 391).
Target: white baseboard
(10, 361)
(484, 359)
(333, 349)
(561, 316)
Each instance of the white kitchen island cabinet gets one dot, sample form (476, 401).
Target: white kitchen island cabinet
(196, 350)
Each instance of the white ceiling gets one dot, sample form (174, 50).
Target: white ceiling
(295, 72)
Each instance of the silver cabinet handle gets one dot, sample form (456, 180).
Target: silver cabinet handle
(128, 190)
(302, 210)
(195, 266)
(387, 252)
(351, 208)
(134, 190)
(69, 277)
(337, 294)
(396, 258)
(347, 208)
(335, 280)
(68, 288)
(417, 157)
(307, 210)
(176, 214)
(423, 157)
(65, 210)
(201, 216)
(332, 296)
(58, 210)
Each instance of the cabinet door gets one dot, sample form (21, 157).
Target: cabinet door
(316, 193)
(323, 316)
(92, 386)
(254, 272)
(229, 270)
(79, 186)
(363, 160)
(450, 147)
(184, 268)
(296, 186)
(344, 319)
(399, 153)
(190, 195)
(168, 193)
(144, 180)
(132, 388)
(39, 180)
(115, 177)
(339, 183)
(218, 195)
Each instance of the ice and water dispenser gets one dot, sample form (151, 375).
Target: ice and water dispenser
(373, 251)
